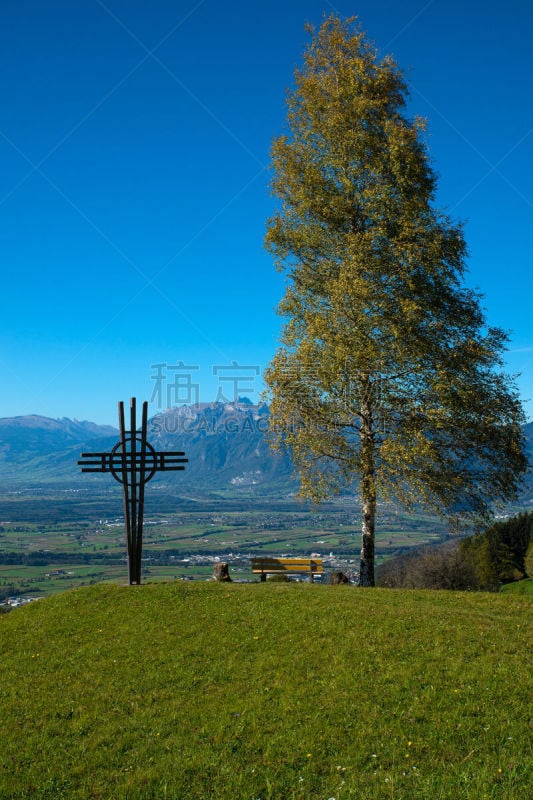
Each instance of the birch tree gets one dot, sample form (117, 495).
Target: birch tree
(388, 371)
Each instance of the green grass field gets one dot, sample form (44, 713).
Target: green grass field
(241, 692)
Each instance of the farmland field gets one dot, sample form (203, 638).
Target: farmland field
(49, 543)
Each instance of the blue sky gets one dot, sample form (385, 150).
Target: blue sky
(134, 152)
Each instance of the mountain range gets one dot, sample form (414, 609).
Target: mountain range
(225, 443)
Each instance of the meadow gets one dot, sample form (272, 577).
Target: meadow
(274, 691)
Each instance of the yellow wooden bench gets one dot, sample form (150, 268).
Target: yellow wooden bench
(287, 566)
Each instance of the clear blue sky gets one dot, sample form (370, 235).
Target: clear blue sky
(134, 151)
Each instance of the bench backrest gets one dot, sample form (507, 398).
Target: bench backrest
(294, 565)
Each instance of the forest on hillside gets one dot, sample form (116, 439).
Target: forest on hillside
(501, 554)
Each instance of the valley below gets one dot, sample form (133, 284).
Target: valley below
(61, 529)
(51, 541)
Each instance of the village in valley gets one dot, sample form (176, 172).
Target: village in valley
(40, 558)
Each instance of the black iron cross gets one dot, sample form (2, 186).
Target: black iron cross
(133, 462)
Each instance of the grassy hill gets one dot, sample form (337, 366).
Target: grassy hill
(241, 692)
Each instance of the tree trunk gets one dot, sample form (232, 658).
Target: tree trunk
(366, 575)
(368, 491)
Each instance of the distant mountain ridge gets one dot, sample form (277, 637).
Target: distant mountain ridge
(226, 445)
(33, 435)
(224, 442)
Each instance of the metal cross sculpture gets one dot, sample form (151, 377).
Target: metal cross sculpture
(133, 462)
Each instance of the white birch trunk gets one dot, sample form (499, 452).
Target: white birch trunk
(368, 491)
